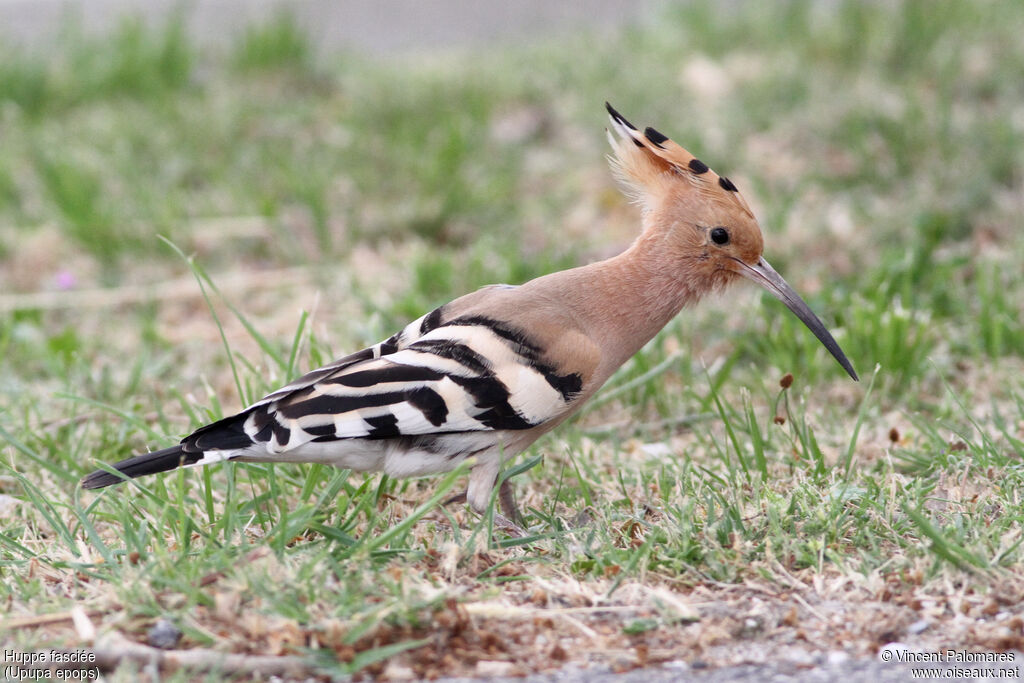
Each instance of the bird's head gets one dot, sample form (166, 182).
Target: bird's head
(701, 220)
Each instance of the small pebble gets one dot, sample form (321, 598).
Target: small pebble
(164, 635)
(919, 626)
(7, 504)
(494, 668)
(396, 672)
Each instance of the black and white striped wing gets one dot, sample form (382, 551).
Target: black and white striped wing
(467, 375)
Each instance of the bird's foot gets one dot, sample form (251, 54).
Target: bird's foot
(510, 522)
(457, 498)
(508, 526)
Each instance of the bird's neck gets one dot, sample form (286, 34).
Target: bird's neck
(627, 299)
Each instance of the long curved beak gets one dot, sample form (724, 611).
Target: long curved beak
(764, 275)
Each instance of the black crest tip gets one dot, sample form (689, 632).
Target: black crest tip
(618, 117)
(698, 166)
(726, 184)
(655, 137)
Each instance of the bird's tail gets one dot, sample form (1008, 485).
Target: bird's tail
(139, 465)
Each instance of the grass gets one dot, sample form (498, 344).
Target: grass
(312, 204)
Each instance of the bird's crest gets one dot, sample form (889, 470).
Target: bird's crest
(651, 165)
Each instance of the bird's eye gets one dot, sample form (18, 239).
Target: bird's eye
(719, 235)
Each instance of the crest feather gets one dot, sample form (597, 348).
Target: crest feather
(645, 162)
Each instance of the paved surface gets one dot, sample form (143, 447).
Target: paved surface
(375, 26)
(847, 671)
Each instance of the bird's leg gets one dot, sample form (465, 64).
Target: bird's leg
(510, 524)
(507, 498)
(478, 494)
(481, 487)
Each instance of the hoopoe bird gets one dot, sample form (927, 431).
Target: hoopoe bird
(487, 374)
